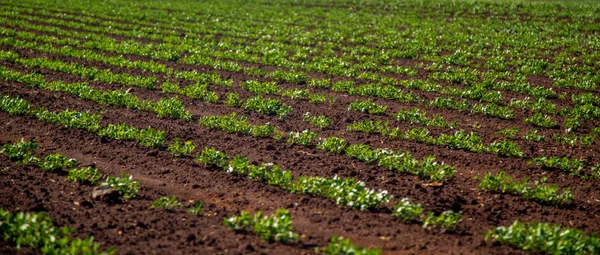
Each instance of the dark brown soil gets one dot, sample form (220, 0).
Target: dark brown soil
(133, 228)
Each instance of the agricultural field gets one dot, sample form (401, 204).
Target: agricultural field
(299, 127)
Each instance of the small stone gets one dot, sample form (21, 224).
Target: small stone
(105, 191)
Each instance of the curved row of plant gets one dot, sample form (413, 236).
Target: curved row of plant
(490, 109)
(153, 31)
(346, 192)
(37, 231)
(400, 161)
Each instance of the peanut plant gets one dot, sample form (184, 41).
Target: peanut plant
(276, 228)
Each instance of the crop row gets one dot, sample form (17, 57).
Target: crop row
(491, 109)
(399, 161)
(155, 30)
(37, 231)
(347, 192)
(581, 112)
(279, 228)
(238, 46)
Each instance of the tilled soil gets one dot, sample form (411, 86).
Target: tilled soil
(132, 227)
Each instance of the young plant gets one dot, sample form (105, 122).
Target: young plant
(37, 231)
(363, 152)
(86, 175)
(540, 191)
(179, 149)
(196, 208)
(534, 136)
(572, 166)
(212, 157)
(332, 144)
(125, 185)
(267, 106)
(408, 211)
(166, 203)
(542, 237)
(348, 192)
(20, 152)
(277, 228)
(269, 88)
(171, 108)
(320, 121)
(508, 133)
(305, 137)
(340, 246)
(14, 106)
(505, 148)
(57, 162)
(72, 119)
(233, 100)
(447, 220)
(541, 120)
(415, 116)
(367, 107)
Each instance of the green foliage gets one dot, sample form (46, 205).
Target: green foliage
(449, 103)
(277, 228)
(265, 130)
(212, 157)
(238, 125)
(146, 137)
(346, 192)
(125, 185)
(494, 110)
(595, 172)
(291, 76)
(179, 149)
(541, 120)
(369, 126)
(540, 191)
(229, 124)
(462, 140)
(20, 152)
(408, 211)
(14, 105)
(267, 106)
(72, 119)
(446, 220)
(196, 208)
(505, 148)
(37, 231)
(367, 107)
(404, 162)
(86, 175)
(233, 100)
(296, 94)
(543, 237)
(57, 162)
(341, 246)
(343, 86)
(171, 108)
(269, 88)
(323, 83)
(363, 152)
(508, 133)
(534, 136)
(572, 166)
(332, 144)
(319, 98)
(167, 203)
(320, 121)
(305, 137)
(571, 124)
